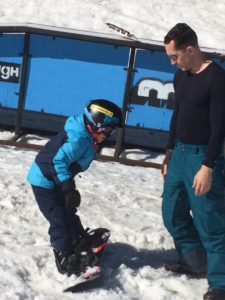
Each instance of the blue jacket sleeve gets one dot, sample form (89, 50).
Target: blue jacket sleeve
(67, 157)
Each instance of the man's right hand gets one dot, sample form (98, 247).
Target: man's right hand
(166, 162)
(202, 181)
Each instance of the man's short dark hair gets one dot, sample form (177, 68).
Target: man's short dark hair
(183, 36)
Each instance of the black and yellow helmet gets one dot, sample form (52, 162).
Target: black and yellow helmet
(101, 113)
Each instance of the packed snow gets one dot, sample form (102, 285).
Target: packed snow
(125, 199)
(146, 19)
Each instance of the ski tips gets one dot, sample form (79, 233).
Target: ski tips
(122, 31)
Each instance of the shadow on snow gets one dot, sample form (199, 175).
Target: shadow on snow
(118, 254)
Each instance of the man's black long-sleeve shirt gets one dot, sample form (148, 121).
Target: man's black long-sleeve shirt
(199, 113)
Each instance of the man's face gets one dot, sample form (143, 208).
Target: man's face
(181, 58)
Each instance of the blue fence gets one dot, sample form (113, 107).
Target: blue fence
(49, 74)
(11, 49)
(64, 74)
(152, 92)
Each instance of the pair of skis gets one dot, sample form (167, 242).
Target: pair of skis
(122, 31)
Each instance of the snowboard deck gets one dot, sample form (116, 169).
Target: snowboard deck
(89, 280)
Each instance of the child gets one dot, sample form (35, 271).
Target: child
(52, 179)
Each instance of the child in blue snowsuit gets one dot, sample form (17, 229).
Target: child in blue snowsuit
(52, 177)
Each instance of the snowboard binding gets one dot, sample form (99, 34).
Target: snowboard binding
(91, 248)
(87, 254)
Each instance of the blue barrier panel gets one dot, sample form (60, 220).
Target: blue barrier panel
(152, 93)
(11, 51)
(64, 74)
(65, 71)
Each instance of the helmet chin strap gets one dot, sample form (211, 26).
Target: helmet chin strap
(93, 134)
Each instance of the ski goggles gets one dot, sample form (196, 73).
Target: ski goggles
(107, 131)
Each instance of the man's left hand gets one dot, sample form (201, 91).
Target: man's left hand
(202, 180)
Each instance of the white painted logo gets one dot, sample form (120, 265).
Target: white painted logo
(163, 89)
(154, 93)
(9, 72)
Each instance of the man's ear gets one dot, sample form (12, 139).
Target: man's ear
(190, 50)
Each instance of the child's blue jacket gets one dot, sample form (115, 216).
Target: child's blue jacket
(68, 153)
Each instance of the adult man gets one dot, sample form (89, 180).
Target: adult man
(52, 180)
(194, 179)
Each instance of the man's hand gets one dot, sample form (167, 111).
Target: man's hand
(202, 180)
(166, 162)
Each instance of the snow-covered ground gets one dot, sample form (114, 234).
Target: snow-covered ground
(125, 199)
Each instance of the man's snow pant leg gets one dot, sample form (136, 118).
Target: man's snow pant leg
(208, 210)
(64, 228)
(209, 216)
(177, 217)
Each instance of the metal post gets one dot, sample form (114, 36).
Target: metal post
(22, 90)
(130, 70)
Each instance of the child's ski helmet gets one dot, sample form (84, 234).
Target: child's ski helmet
(101, 113)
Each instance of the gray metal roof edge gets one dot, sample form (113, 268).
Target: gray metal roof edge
(117, 39)
(80, 34)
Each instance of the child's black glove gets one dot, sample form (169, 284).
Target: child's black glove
(71, 195)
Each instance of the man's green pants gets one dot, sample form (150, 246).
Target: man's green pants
(196, 223)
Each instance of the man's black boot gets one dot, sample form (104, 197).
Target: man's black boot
(182, 268)
(215, 294)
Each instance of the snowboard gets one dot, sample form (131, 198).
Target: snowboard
(91, 277)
